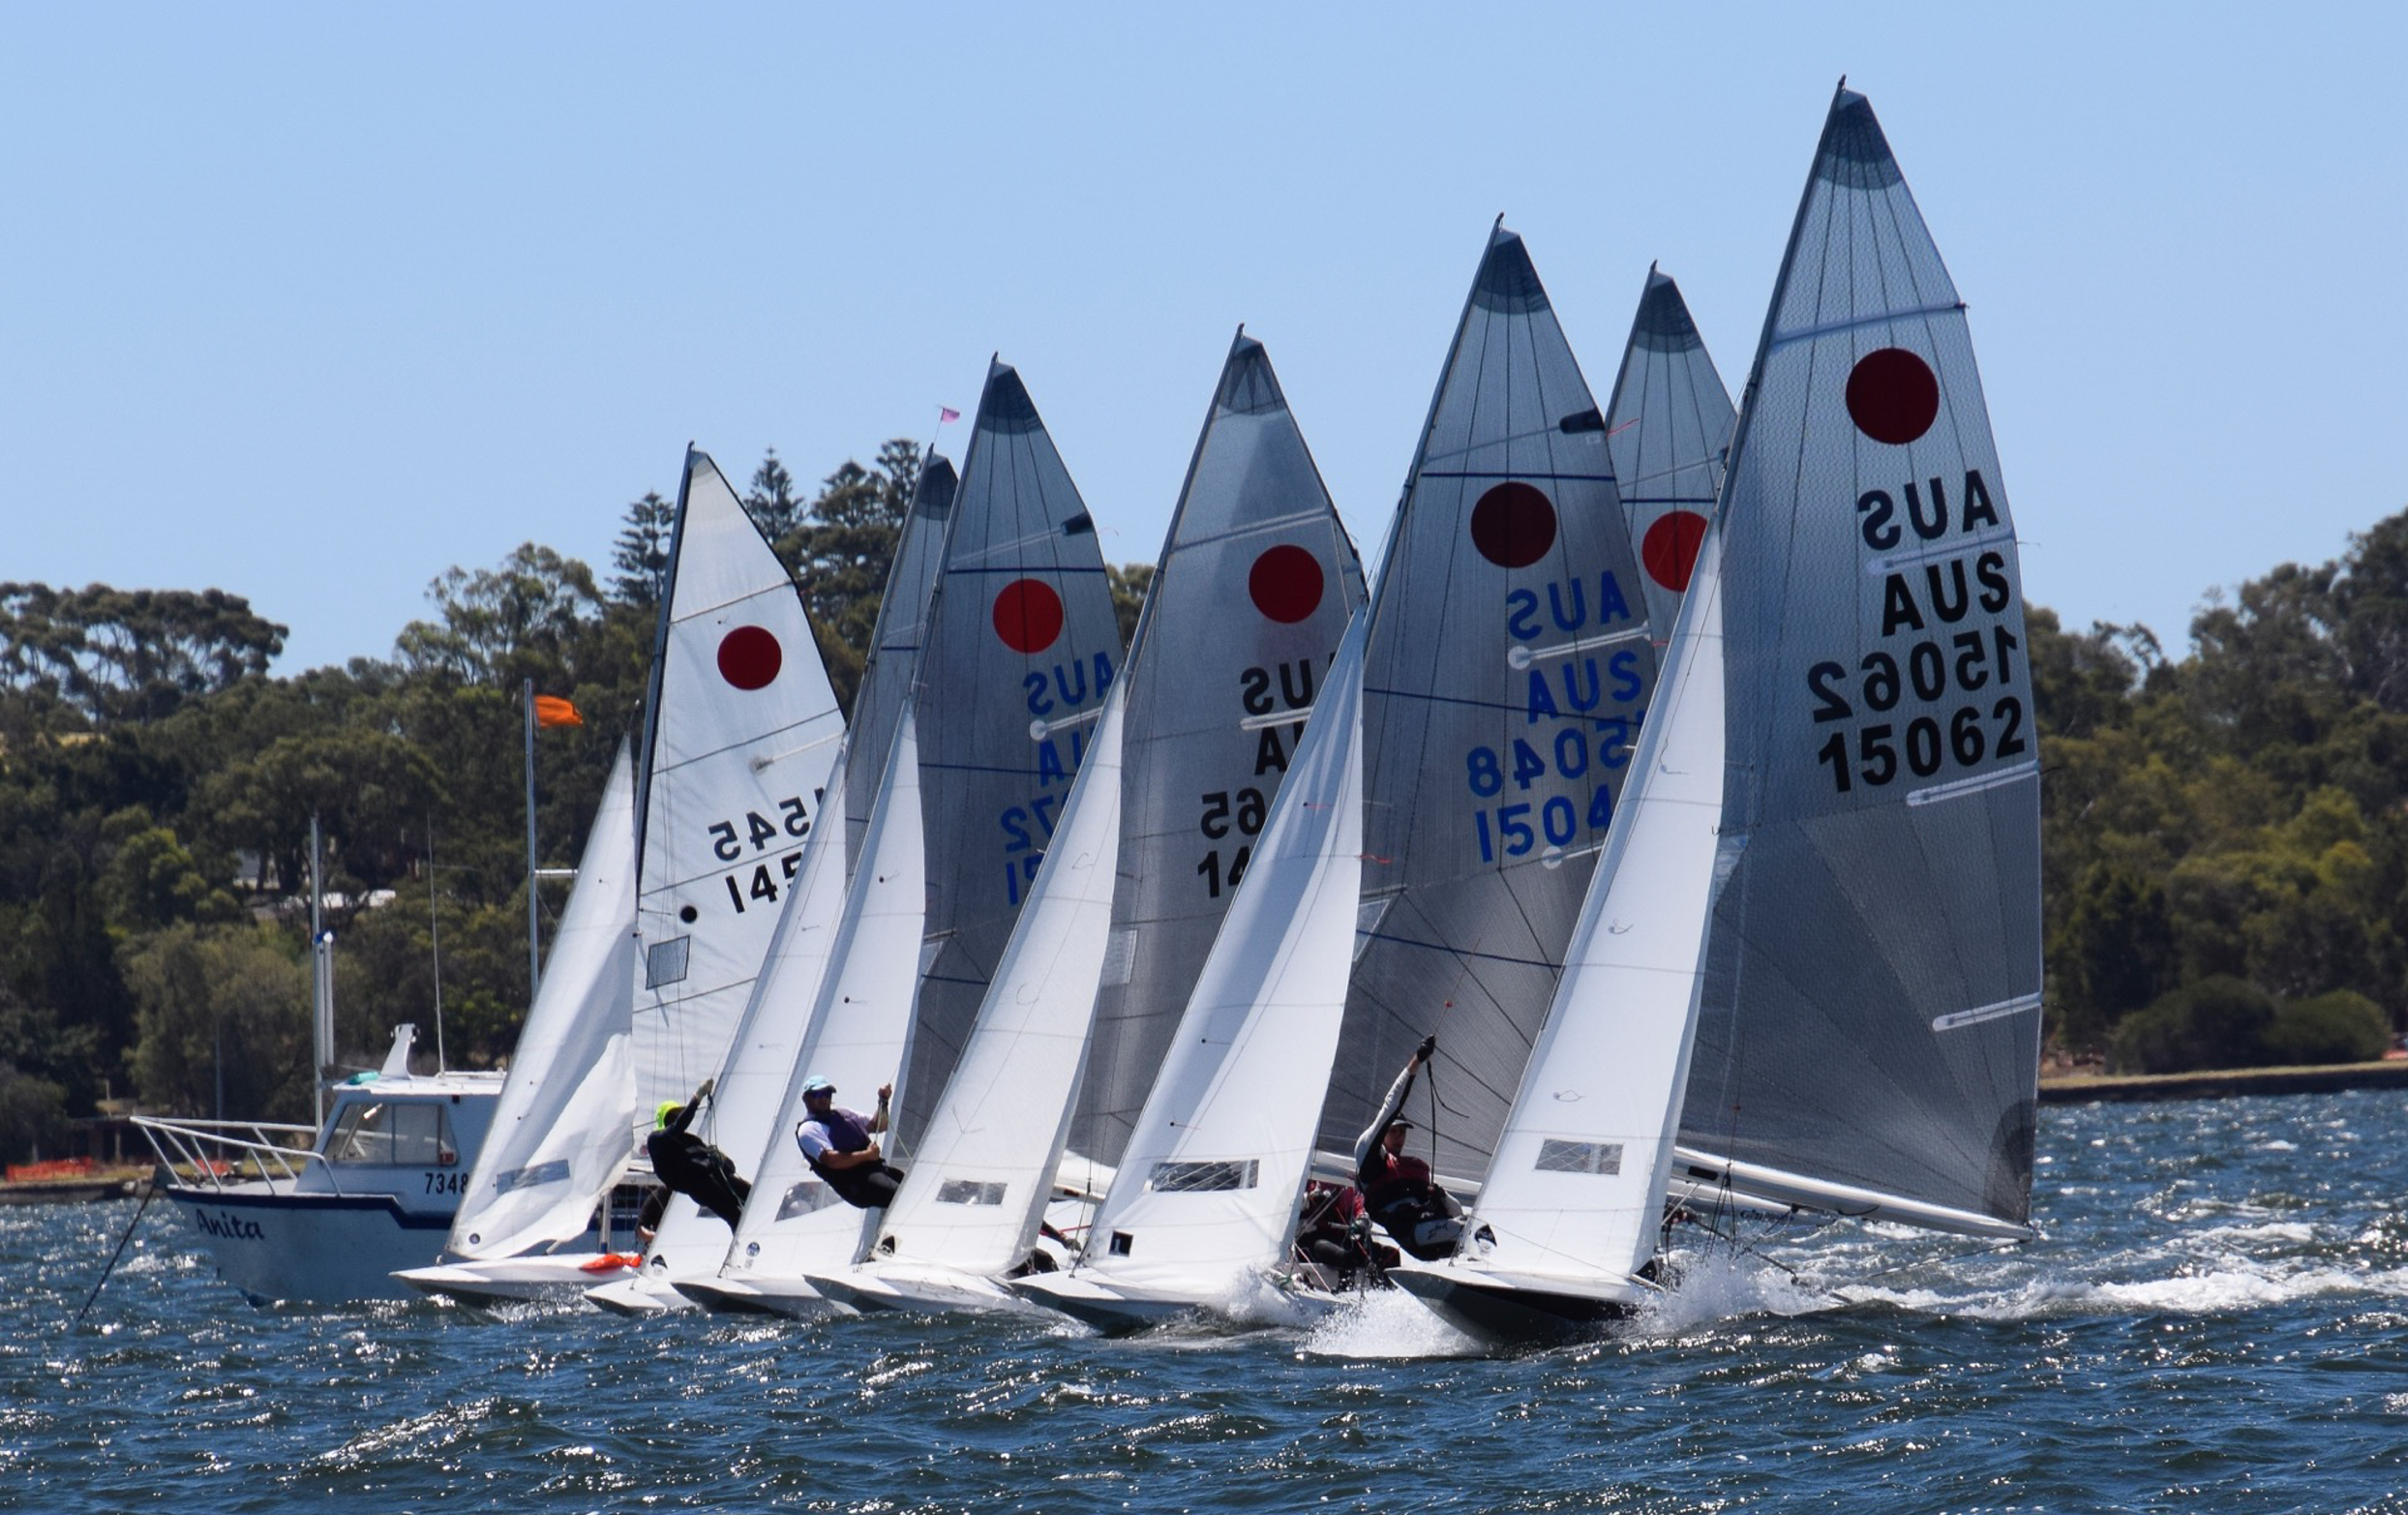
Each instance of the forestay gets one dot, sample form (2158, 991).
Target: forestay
(858, 1023)
(1508, 669)
(978, 1181)
(1255, 584)
(1871, 1011)
(1668, 430)
(1208, 1188)
(742, 731)
(1022, 648)
(561, 1128)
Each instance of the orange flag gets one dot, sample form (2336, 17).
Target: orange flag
(551, 710)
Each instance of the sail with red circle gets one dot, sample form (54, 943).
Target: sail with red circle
(1022, 645)
(1508, 665)
(1668, 429)
(1248, 601)
(1869, 1027)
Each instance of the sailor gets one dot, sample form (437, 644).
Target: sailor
(842, 1145)
(691, 1166)
(1423, 1217)
(1335, 1232)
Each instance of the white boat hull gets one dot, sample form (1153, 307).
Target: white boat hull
(916, 1287)
(310, 1248)
(789, 1297)
(550, 1275)
(1113, 1307)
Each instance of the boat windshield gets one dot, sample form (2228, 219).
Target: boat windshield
(393, 1133)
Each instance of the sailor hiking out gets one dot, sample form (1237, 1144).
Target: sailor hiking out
(1397, 1189)
(688, 1166)
(842, 1145)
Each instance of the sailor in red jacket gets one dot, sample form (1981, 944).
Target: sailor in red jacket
(1397, 1189)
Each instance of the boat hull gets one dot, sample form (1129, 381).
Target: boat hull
(310, 1248)
(915, 1288)
(1516, 1309)
(549, 1276)
(790, 1298)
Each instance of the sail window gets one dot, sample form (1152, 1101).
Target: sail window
(1580, 1157)
(1120, 958)
(805, 1197)
(665, 961)
(1367, 921)
(1204, 1178)
(1122, 1243)
(970, 1192)
(553, 1172)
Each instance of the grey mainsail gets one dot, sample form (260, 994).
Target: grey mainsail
(1668, 430)
(1871, 1017)
(1022, 647)
(887, 677)
(1508, 669)
(1255, 584)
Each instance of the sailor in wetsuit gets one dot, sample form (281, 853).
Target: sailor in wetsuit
(691, 1166)
(842, 1145)
(1423, 1217)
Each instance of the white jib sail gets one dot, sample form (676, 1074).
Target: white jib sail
(1208, 1188)
(1576, 1188)
(743, 730)
(560, 1132)
(855, 1034)
(749, 1092)
(978, 1183)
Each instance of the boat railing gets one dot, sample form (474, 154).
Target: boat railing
(220, 1152)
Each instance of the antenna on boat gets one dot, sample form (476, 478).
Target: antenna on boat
(434, 941)
(321, 991)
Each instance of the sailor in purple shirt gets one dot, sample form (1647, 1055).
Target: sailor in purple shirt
(842, 1145)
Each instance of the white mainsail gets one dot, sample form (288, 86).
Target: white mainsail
(740, 733)
(1205, 1194)
(742, 736)
(559, 1131)
(856, 1031)
(969, 1210)
(1869, 1035)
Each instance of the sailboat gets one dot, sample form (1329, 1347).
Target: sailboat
(1507, 669)
(1568, 1213)
(1022, 645)
(748, 1097)
(1014, 666)
(1868, 1041)
(1203, 1207)
(741, 732)
(969, 1210)
(1250, 597)
(855, 1032)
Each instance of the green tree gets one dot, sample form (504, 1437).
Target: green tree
(641, 551)
(2339, 1027)
(129, 653)
(2216, 1022)
(222, 1007)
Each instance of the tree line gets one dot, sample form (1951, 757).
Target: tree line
(2225, 836)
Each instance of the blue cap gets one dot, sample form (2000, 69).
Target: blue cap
(819, 1084)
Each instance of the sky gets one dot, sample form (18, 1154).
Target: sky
(312, 303)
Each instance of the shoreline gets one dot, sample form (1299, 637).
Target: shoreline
(2082, 1088)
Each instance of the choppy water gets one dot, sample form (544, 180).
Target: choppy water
(2217, 1321)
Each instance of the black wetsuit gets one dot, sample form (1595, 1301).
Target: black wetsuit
(693, 1167)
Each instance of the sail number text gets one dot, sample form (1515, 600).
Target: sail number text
(733, 842)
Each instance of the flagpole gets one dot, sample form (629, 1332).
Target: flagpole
(534, 960)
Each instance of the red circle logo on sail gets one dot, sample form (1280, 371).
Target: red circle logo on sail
(1668, 552)
(1027, 615)
(1285, 583)
(1513, 524)
(750, 656)
(1892, 396)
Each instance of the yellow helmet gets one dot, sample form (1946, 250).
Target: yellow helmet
(665, 1113)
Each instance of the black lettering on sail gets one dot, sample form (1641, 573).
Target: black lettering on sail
(1991, 569)
(1876, 506)
(1941, 605)
(1899, 611)
(1937, 525)
(1978, 509)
